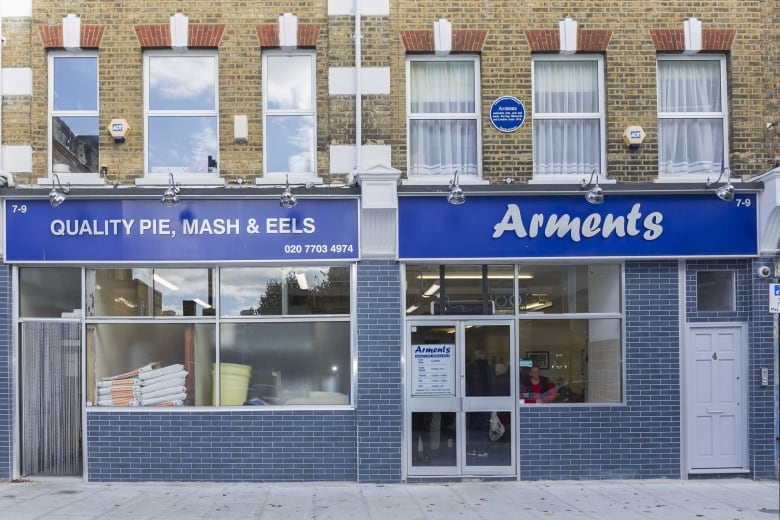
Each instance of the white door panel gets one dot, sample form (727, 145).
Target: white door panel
(716, 422)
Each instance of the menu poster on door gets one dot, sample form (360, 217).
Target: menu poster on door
(433, 370)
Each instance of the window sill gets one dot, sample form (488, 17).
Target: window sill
(279, 179)
(186, 179)
(569, 179)
(75, 179)
(427, 180)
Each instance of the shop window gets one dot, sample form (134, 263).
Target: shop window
(151, 364)
(53, 292)
(152, 336)
(443, 116)
(150, 292)
(715, 291)
(73, 113)
(181, 109)
(692, 115)
(289, 113)
(563, 289)
(290, 363)
(459, 289)
(250, 291)
(579, 360)
(568, 115)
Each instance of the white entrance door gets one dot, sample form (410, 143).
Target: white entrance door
(716, 394)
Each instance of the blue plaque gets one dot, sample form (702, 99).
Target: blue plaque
(507, 113)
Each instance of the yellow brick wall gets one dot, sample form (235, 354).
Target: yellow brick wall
(754, 69)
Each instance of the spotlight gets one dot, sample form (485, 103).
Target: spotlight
(456, 195)
(58, 192)
(595, 194)
(287, 199)
(726, 191)
(170, 197)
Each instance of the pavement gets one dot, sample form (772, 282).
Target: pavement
(716, 499)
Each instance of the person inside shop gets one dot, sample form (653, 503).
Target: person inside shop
(537, 388)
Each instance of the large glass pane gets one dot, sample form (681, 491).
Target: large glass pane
(690, 145)
(49, 292)
(182, 82)
(566, 87)
(289, 82)
(462, 289)
(566, 146)
(555, 289)
(75, 83)
(75, 144)
(443, 147)
(249, 291)
(150, 292)
(489, 438)
(442, 87)
(576, 361)
(434, 439)
(290, 144)
(715, 291)
(488, 373)
(181, 143)
(150, 364)
(689, 86)
(301, 363)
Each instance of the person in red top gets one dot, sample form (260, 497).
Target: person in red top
(537, 388)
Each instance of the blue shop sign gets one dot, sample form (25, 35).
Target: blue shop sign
(203, 230)
(567, 226)
(507, 113)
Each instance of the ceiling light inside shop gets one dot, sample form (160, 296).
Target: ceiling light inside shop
(165, 283)
(412, 308)
(202, 303)
(431, 290)
(302, 282)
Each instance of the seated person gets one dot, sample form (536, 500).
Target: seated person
(537, 388)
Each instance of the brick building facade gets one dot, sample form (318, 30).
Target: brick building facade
(226, 105)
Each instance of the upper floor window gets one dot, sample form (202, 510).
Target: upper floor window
(73, 113)
(181, 109)
(443, 115)
(289, 112)
(692, 115)
(568, 115)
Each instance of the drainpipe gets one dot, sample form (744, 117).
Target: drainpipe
(358, 93)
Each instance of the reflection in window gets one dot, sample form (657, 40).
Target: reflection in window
(249, 291)
(715, 291)
(53, 292)
(73, 111)
(443, 115)
(156, 364)
(289, 111)
(286, 363)
(582, 358)
(489, 289)
(181, 112)
(150, 292)
(568, 130)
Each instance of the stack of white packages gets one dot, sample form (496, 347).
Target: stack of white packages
(149, 385)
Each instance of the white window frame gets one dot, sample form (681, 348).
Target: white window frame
(564, 178)
(723, 115)
(476, 116)
(186, 178)
(294, 177)
(72, 177)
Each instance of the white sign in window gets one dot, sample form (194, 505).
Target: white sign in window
(433, 370)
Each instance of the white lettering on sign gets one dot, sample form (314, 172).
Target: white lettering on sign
(217, 226)
(286, 225)
(111, 227)
(576, 228)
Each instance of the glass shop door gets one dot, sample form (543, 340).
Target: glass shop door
(460, 398)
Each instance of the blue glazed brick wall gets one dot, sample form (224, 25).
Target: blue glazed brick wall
(6, 375)
(640, 439)
(379, 397)
(752, 308)
(261, 446)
